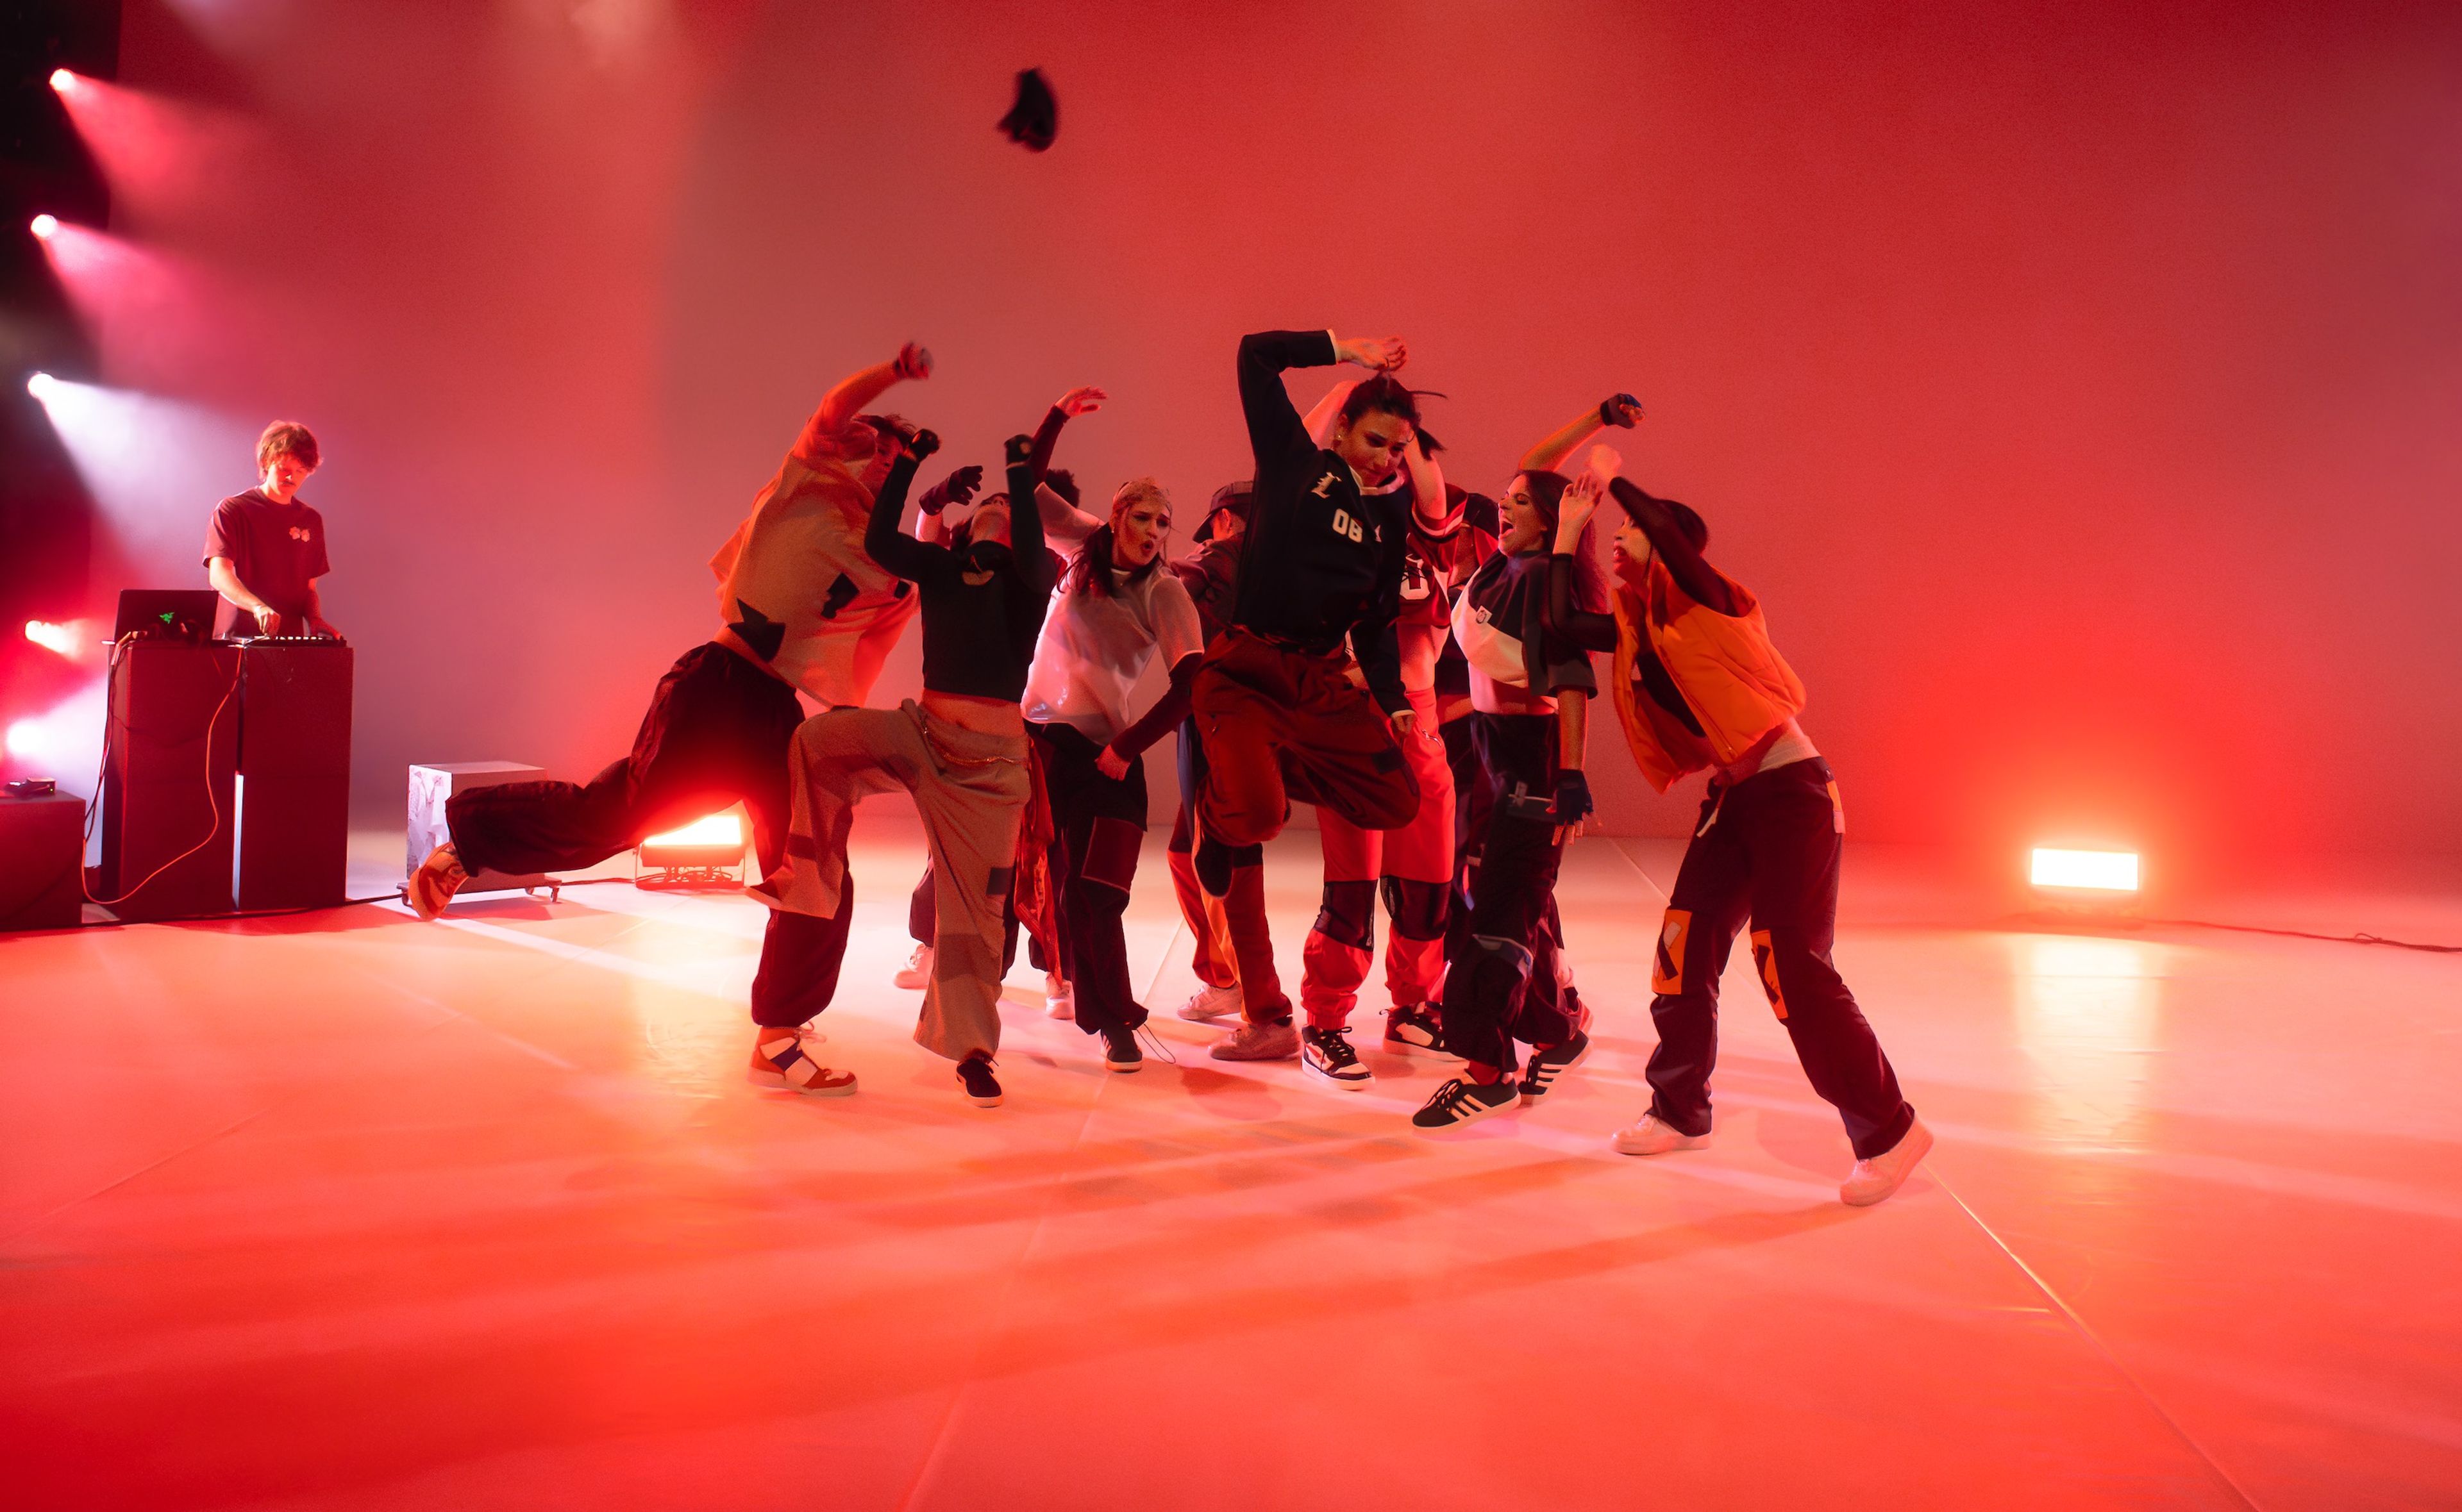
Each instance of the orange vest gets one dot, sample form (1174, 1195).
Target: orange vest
(1733, 679)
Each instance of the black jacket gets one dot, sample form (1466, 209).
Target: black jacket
(1319, 562)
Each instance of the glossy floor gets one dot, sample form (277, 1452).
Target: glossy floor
(348, 1211)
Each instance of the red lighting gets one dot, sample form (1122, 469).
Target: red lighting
(44, 226)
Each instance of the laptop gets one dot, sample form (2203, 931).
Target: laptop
(182, 615)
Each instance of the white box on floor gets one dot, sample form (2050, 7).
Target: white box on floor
(434, 782)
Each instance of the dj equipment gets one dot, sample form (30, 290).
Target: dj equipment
(295, 772)
(171, 751)
(42, 848)
(430, 784)
(183, 614)
(217, 752)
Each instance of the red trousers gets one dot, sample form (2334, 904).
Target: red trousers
(1234, 947)
(1280, 726)
(1414, 865)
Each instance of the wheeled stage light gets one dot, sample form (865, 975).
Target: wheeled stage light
(2085, 871)
(44, 226)
(706, 852)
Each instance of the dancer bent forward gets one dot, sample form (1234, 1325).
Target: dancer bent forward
(1698, 686)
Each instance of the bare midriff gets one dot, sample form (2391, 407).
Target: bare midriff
(982, 716)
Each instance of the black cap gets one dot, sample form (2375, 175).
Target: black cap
(1236, 497)
(1033, 122)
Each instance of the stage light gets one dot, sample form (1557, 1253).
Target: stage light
(44, 226)
(698, 855)
(63, 81)
(147, 461)
(66, 739)
(2086, 871)
(62, 639)
(41, 385)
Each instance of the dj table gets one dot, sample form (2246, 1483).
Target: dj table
(244, 746)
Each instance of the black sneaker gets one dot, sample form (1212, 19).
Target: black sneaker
(1461, 1101)
(1327, 1052)
(1213, 861)
(1416, 1030)
(982, 1087)
(1120, 1050)
(1545, 1066)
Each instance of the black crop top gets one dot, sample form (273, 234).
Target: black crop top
(983, 608)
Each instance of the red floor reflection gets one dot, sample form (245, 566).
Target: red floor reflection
(352, 1212)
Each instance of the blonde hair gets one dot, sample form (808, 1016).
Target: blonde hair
(1139, 490)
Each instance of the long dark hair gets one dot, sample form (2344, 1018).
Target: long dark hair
(1091, 570)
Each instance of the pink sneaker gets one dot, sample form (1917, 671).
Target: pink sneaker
(1873, 1180)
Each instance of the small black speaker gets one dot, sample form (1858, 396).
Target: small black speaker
(42, 848)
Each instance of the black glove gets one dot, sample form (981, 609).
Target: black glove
(1573, 802)
(921, 444)
(1020, 448)
(957, 489)
(1619, 409)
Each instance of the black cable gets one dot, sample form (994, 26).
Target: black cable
(2302, 934)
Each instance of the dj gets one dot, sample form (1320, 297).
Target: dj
(265, 547)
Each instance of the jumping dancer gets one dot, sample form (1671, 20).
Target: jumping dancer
(802, 606)
(1529, 692)
(1698, 686)
(1116, 608)
(1278, 712)
(960, 750)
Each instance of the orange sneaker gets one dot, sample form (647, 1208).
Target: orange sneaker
(779, 1060)
(433, 885)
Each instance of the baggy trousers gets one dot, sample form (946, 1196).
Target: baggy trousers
(1279, 725)
(1413, 866)
(971, 789)
(1504, 985)
(1234, 943)
(1098, 824)
(1768, 846)
(716, 731)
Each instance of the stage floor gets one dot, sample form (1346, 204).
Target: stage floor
(348, 1211)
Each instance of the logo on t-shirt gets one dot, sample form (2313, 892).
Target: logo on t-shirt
(299, 533)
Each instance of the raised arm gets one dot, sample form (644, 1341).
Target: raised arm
(1322, 414)
(1437, 513)
(854, 393)
(1588, 629)
(1275, 430)
(1616, 409)
(1685, 563)
(1027, 557)
(882, 541)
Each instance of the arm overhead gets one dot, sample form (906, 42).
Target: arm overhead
(1275, 430)
(882, 541)
(1428, 502)
(1549, 454)
(1327, 412)
(1588, 629)
(854, 393)
(1692, 572)
(1027, 557)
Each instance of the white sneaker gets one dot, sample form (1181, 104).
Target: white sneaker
(916, 974)
(1208, 1004)
(1650, 1136)
(1874, 1180)
(1059, 998)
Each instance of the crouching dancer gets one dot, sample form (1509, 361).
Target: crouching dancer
(1698, 686)
(960, 751)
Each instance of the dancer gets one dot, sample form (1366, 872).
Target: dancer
(1116, 608)
(1698, 686)
(1234, 949)
(1278, 712)
(1529, 692)
(800, 606)
(961, 751)
(1412, 866)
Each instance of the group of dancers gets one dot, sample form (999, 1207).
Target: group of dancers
(1352, 632)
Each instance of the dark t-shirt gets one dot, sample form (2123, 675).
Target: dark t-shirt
(278, 550)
